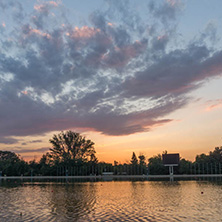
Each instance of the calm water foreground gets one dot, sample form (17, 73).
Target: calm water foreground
(111, 201)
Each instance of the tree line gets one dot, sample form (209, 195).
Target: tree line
(72, 154)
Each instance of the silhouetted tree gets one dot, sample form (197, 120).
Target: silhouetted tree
(209, 163)
(44, 165)
(184, 166)
(142, 164)
(8, 155)
(34, 167)
(213, 156)
(156, 166)
(202, 158)
(69, 147)
(134, 164)
(134, 160)
(142, 159)
(93, 159)
(216, 155)
(11, 164)
(115, 163)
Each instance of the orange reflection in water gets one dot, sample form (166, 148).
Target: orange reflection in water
(110, 201)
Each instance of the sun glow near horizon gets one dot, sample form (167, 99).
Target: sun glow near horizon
(196, 130)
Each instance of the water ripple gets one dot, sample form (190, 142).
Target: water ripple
(112, 201)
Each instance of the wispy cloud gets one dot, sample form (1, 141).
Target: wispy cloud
(38, 150)
(212, 105)
(8, 140)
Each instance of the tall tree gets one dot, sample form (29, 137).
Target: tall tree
(142, 159)
(70, 146)
(8, 155)
(134, 160)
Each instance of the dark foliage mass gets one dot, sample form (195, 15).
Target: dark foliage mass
(204, 164)
(74, 155)
(11, 164)
(70, 147)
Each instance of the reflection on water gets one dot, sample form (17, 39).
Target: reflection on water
(111, 201)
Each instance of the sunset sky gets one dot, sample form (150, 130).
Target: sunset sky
(137, 75)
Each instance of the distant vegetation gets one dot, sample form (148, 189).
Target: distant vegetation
(72, 154)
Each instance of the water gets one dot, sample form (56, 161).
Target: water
(111, 201)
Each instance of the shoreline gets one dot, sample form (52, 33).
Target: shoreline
(114, 176)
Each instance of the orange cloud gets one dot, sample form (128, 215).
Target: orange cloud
(38, 32)
(3, 24)
(53, 3)
(84, 32)
(25, 92)
(162, 37)
(42, 7)
(110, 24)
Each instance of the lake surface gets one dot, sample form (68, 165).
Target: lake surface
(111, 201)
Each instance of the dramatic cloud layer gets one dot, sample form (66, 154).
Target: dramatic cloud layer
(117, 72)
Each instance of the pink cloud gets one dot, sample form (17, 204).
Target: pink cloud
(172, 3)
(53, 3)
(30, 31)
(38, 32)
(120, 56)
(25, 92)
(109, 24)
(45, 6)
(217, 105)
(39, 7)
(84, 32)
(162, 37)
(134, 49)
